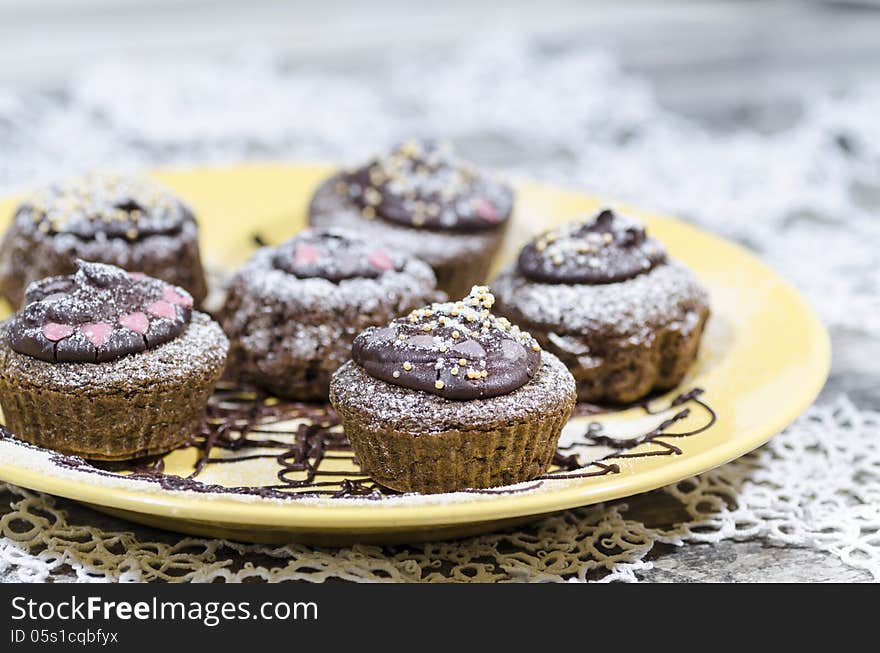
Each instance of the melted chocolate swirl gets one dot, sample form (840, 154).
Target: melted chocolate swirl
(605, 249)
(106, 205)
(422, 184)
(333, 255)
(99, 314)
(457, 350)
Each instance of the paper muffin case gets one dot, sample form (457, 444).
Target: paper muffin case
(622, 372)
(453, 460)
(111, 426)
(457, 277)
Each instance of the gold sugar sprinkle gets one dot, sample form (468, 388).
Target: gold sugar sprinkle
(439, 384)
(372, 196)
(407, 366)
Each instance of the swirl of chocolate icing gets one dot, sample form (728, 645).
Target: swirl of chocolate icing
(106, 205)
(605, 249)
(333, 255)
(422, 184)
(457, 350)
(100, 313)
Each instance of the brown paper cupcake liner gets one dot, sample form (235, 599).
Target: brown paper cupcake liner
(627, 372)
(113, 426)
(456, 459)
(456, 278)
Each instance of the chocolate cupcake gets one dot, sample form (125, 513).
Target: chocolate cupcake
(134, 223)
(608, 302)
(292, 311)
(423, 200)
(451, 397)
(108, 365)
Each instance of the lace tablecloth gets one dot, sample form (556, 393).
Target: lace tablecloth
(805, 198)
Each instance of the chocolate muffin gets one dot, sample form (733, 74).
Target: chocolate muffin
(292, 311)
(450, 397)
(608, 302)
(423, 200)
(108, 365)
(134, 223)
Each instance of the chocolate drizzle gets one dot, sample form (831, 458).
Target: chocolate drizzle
(105, 206)
(333, 255)
(98, 314)
(570, 467)
(422, 184)
(314, 458)
(457, 350)
(605, 249)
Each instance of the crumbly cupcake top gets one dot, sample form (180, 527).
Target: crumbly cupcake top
(458, 350)
(606, 248)
(423, 184)
(108, 205)
(333, 255)
(98, 314)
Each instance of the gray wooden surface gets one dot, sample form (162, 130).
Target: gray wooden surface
(727, 63)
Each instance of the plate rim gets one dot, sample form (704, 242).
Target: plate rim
(303, 514)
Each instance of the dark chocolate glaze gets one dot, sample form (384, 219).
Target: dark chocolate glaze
(605, 249)
(98, 314)
(422, 184)
(106, 206)
(457, 350)
(333, 255)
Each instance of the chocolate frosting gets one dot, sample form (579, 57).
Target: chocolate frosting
(98, 314)
(605, 249)
(106, 205)
(422, 184)
(457, 350)
(333, 255)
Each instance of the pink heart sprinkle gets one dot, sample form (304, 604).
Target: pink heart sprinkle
(139, 276)
(305, 254)
(55, 331)
(162, 309)
(171, 296)
(137, 322)
(381, 260)
(96, 332)
(487, 211)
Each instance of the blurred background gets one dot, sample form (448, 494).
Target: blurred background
(722, 60)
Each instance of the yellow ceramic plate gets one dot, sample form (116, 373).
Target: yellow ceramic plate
(765, 357)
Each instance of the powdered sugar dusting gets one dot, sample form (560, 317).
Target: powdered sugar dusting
(626, 309)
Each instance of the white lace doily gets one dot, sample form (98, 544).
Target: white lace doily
(804, 198)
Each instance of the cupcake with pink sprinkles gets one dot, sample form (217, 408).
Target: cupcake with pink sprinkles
(108, 364)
